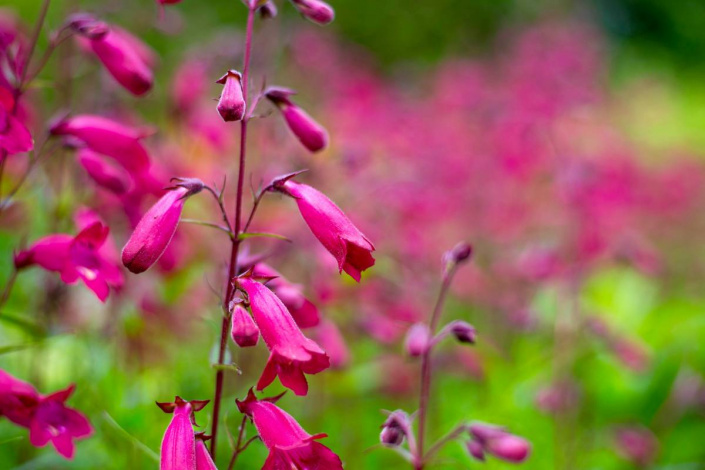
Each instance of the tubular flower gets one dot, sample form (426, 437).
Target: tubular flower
(231, 105)
(290, 446)
(157, 227)
(315, 10)
(418, 340)
(204, 461)
(79, 257)
(105, 175)
(291, 353)
(243, 330)
(178, 450)
(46, 417)
(107, 137)
(125, 57)
(311, 134)
(496, 441)
(304, 312)
(332, 227)
(14, 136)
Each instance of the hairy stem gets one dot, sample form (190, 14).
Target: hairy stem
(426, 370)
(232, 268)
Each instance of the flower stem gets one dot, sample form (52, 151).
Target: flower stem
(232, 268)
(237, 450)
(426, 370)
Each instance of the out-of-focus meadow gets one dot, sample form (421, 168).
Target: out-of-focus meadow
(564, 140)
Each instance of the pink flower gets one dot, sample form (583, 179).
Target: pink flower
(638, 444)
(290, 446)
(178, 450)
(78, 257)
(18, 399)
(107, 137)
(157, 227)
(125, 57)
(203, 457)
(499, 443)
(291, 354)
(304, 312)
(315, 10)
(418, 340)
(243, 330)
(105, 175)
(332, 227)
(231, 105)
(54, 421)
(14, 136)
(311, 134)
(328, 336)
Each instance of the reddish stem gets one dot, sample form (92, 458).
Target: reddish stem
(426, 370)
(232, 268)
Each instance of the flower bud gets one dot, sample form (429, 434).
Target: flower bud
(417, 340)
(231, 105)
(509, 447)
(268, 10)
(88, 26)
(395, 428)
(475, 449)
(463, 331)
(315, 10)
(458, 254)
(244, 331)
(311, 134)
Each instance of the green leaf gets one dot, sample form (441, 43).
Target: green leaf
(227, 367)
(135, 442)
(244, 236)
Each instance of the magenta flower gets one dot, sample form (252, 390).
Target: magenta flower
(78, 257)
(496, 441)
(14, 136)
(231, 105)
(290, 446)
(244, 331)
(125, 57)
(291, 353)
(315, 10)
(304, 312)
(418, 340)
(204, 461)
(331, 340)
(18, 399)
(311, 134)
(157, 227)
(54, 421)
(178, 450)
(332, 227)
(105, 175)
(107, 137)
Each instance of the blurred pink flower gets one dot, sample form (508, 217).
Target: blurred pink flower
(311, 134)
(18, 399)
(157, 227)
(637, 444)
(317, 11)
(333, 229)
(14, 135)
(231, 105)
(332, 341)
(418, 340)
(125, 57)
(290, 446)
(107, 137)
(78, 257)
(105, 175)
(499, 443)
(291, 354)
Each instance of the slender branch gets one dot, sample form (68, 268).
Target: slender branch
(255, 205)
(237, 450)
(426, 369)
(33, 42)
(208, 224)
(219, 201)
(40, 153)
(232, 269)
(454, 434)
(8, 288)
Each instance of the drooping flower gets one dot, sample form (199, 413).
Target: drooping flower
(496, 441)
(14, 135)
(290, 446)
(231, 105)
(332, 227)
(304, 312)
(243, 331)
(311, 134)
(291, 353)
(396, 427)
(105, 175)
(331, 340)
(76, 258)
(157, 227)
(125, 57)
(418, 340)
(46, 417)
(178, 449)
(54, 421)
(107, 137)
(317, 11)
(204, 461)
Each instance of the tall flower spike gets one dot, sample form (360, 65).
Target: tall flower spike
(231, 105)
(291, 353)
(290, 446)
(157, 227)
(311, 134)
(178, 449)
(317, 11)
(332, 227)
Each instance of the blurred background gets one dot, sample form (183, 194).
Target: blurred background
(563, 139)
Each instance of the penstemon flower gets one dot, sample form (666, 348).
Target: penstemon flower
(311, 134)
(231, 105)
(178, 450)
(317, 11)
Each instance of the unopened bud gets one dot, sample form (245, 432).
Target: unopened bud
(395, 428)
(417, 340)
(509, 447)
(317, 11)
(244, 331)
(231, 105)
(88, 26)
(268, 10)
(475, 449)
(459, 253)
(463, 331)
